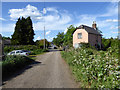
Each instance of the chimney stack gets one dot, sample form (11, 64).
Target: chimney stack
(94, 25)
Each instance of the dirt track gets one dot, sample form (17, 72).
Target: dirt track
(49, 71)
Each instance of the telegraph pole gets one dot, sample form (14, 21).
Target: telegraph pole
(44, 36)
(44, 22)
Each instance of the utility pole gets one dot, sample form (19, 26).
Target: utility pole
(44, 11)
(44, 36)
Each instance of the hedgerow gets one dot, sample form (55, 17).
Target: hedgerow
(94, 69)
(33, 48)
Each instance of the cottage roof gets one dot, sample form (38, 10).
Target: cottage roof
(89, 29)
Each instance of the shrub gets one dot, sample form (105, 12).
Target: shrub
(33, 48)
(14, 63)
(38, 51)
(94, 69)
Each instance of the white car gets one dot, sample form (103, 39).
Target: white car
(18, 52)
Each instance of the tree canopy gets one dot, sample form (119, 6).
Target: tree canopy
(68, 37)
(59, 40)
(4, 38)
(40, 43)
(24, 33)
(65, 39)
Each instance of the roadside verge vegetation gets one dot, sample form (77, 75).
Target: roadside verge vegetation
(94, 69)
(33, 48)
(11, 64)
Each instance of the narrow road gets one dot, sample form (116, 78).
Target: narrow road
(50, 72)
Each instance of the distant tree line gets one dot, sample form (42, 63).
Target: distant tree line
(65, 39)
(6, 38)
(40, 43)
(112, 42)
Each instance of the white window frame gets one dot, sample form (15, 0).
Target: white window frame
(79, 37)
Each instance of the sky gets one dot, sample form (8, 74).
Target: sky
(58, 16)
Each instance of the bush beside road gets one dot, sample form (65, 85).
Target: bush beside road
(13, 63)
(94, 69)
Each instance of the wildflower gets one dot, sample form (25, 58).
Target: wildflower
(102, 86)
(106, 57)
(75, 60)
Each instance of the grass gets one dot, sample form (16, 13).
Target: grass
(92, 68)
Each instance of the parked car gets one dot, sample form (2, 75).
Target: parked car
(26, 51)
(18, 52)
(55, 47)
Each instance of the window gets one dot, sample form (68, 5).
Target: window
(21, 51)
(12, 53)
(79, 35)
(17, 51)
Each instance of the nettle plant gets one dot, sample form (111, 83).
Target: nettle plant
(95, 68)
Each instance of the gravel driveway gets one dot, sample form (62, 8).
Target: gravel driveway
(50, 71)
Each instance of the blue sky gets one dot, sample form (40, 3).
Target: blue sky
(60, 15)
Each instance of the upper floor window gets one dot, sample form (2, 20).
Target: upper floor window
(79, 35)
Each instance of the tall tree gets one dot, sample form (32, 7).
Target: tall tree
(24, 33)
(68, 38)
(59, 40)
(30, 35)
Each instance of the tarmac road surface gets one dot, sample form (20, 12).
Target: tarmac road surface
(49, 71)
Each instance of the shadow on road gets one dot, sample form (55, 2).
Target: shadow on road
(19, 72)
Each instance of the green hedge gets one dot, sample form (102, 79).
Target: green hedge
(33, 48)
(8, 49)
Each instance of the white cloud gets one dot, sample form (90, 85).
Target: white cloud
(48, 32)
(25, 12)
(50, 38)
(111, 12)
(111, 20)
(116, 32)
(51, 18)
(8, 27)
(114, 27)
(2, 19)
(52, 9)
(56, 21)
(38, 38)
(86, 20)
